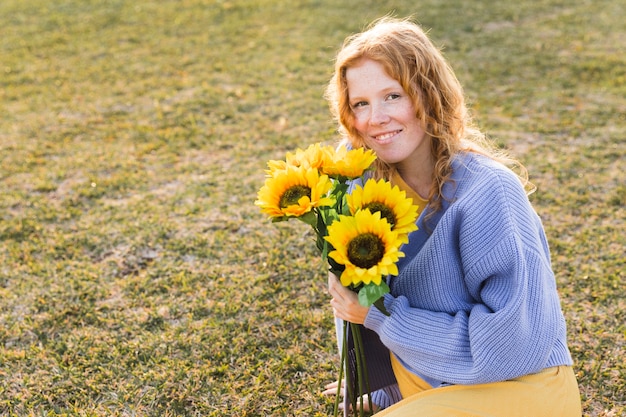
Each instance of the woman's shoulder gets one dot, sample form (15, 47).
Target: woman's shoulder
(475, 171)
(479, 164)
(481, 185)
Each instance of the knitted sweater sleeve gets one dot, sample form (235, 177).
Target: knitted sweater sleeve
(490, 311)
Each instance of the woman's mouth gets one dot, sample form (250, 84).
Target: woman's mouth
(383, 137)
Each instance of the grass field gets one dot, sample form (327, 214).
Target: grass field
(137, 278)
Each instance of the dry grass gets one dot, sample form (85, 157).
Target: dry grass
(136, 275)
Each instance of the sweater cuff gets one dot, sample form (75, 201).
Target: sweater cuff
(376, 318)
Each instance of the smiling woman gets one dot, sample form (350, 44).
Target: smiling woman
(384, 117)
(473, 314)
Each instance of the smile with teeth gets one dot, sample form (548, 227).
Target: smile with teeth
(386, 136)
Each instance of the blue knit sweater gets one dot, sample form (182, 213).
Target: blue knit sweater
(475, 300)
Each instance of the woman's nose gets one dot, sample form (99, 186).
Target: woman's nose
(379, 116)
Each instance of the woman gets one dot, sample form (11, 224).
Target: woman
(475, 326)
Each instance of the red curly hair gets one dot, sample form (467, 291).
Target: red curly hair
(409, 56)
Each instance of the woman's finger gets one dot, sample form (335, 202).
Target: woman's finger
(331, 389)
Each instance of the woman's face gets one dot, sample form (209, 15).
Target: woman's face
(385, 117)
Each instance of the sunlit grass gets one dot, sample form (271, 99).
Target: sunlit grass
(136, 275)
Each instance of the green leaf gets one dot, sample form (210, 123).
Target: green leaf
(370, 293)
(325, 250)
(345, 209)
(280, 219)
(309, 218)
(340, 187)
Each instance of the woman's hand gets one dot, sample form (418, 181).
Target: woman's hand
(332, 388)
(345, 302)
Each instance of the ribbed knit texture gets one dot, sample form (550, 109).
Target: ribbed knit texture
(476, 300)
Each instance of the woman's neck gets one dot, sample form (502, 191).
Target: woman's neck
(421, 188)
(418, 176)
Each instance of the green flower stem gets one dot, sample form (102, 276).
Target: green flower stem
(361, 370)
(319, 219)
(344, 348)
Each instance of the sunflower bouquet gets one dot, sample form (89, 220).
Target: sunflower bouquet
(359, 229)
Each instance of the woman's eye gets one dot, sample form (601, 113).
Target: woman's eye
(393, 96)
(359, 104)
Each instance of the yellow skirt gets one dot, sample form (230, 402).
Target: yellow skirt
(552, 392)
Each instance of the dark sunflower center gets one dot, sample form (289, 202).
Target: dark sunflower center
(385, 212)
(293, 194)
(366, 250)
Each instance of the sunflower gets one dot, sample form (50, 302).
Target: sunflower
(315, 156)
(366, 246)
(390, 202)
(348, 163)
(293, 192)
(274, 165)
